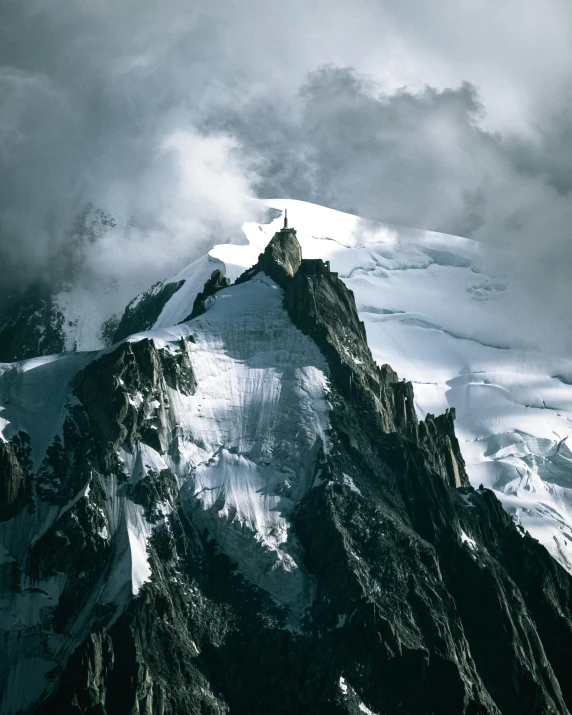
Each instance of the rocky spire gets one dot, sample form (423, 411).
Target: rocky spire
(280, 259)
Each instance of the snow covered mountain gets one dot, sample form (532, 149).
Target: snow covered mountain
(448, 314)
(239, 510)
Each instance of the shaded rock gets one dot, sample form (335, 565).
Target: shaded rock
(142, 312)
(66, 468)
(152, 490)
(280, 259)
(73, 546)
(216, 282)
(15, 475)
(30, 325)
(124, 393)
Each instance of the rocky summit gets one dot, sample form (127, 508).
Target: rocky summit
(242, 513)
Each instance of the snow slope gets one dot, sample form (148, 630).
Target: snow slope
(250, 435)
(448, 314)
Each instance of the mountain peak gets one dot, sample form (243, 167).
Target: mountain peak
(252, 480)
(280, 259)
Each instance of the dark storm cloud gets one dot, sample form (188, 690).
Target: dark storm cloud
(404, 158)
(419, 159)
(423, 159)
(170, 115)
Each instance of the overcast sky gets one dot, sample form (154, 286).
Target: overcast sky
(452, 115)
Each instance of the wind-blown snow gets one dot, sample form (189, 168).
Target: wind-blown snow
(194, 276)
(447, 314)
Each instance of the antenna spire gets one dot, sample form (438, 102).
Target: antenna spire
(285, 218)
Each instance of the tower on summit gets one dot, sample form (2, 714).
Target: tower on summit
(286, 228)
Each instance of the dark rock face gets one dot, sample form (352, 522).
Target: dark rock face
(280, 260)
(73, 546)
(67, 464)
(216, 282)
(15, 475)
(321, 306)
(152, 489)
(143, 311)
(429, 600)
(30, 325)
(282, 257)
(414, 583)
(107, 388)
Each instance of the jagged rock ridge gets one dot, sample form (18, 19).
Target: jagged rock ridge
(362, 573)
